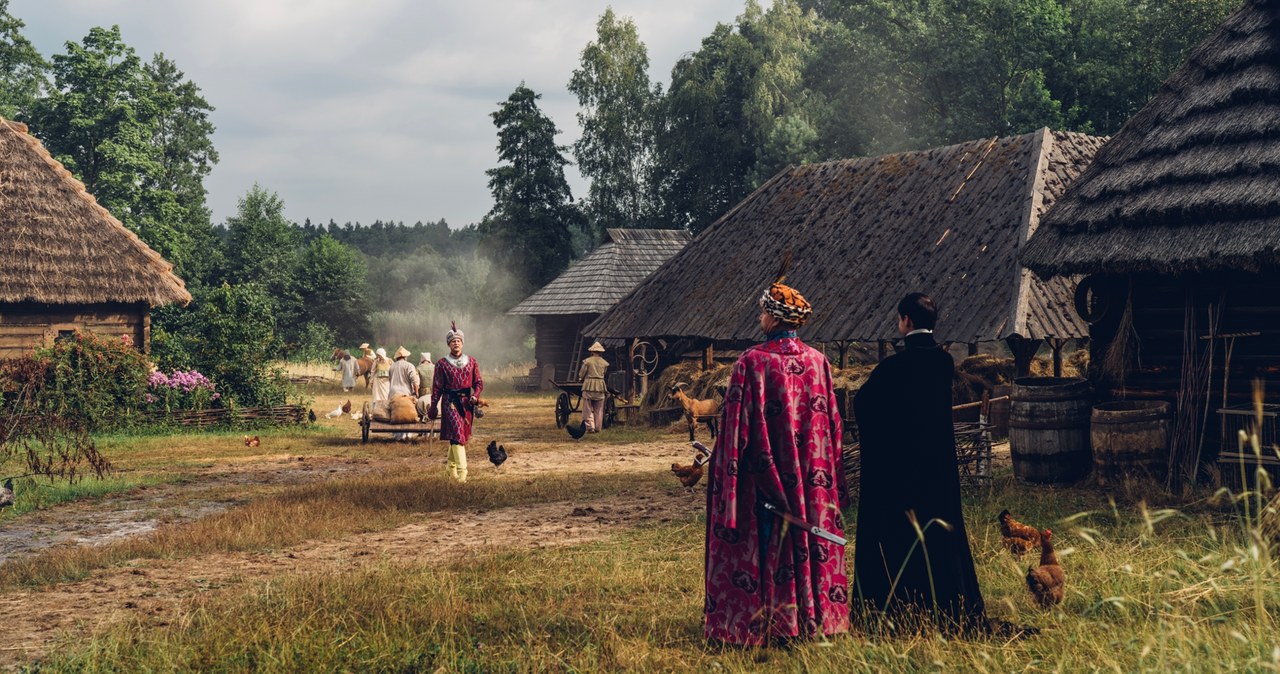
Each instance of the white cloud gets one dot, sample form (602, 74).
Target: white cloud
(356, 110)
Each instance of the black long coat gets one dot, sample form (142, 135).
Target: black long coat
(909, 467)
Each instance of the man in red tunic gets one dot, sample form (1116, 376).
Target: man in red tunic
(779, 442)
(457, 383)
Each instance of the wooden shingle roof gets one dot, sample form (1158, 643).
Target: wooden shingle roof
(863, 232)
(607, 274)
(60, 245)
(1192, 181)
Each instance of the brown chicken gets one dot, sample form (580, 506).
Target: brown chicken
(251, 442)
(346, 407)
(689, 475)
(1046, 581)
(1017, 537)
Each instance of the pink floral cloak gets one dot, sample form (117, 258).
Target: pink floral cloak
(780, 441)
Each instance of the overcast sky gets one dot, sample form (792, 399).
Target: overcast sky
(371, 109)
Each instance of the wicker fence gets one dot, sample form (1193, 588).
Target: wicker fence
(280, 415)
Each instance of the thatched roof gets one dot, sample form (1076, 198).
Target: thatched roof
(947, 221)
(607, 274)
(61, 247)
(1190, 183)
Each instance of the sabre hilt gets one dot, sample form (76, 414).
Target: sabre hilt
(703, 455)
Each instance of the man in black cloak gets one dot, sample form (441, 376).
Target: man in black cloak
(912, 553)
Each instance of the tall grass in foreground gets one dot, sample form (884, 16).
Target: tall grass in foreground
(1148, 589)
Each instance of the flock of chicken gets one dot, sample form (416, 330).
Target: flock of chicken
(1046, 581)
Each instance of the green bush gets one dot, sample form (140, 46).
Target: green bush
(315, 344)
(98, 379)
(227, 333)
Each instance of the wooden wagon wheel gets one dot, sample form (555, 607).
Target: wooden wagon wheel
(610, 412)
(366, 419)
(563, 409)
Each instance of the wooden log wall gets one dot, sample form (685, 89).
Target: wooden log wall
(25, 326)
(1250, 309)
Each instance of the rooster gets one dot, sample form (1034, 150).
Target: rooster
(577, 433)
(1047, 580)
(251, 442)
(1017, 537)
(689, 475)
(497, 453)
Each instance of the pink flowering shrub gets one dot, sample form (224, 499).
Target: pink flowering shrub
(180, 391)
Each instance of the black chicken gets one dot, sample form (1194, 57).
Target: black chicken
(6, 494)
(497, 453)
(577, 433)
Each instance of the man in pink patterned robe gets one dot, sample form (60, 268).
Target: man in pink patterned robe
(779, 442)
(456, 385)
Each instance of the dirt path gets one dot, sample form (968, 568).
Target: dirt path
(233, 481)
(155, 591)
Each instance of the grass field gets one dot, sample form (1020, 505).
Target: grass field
(574, 557)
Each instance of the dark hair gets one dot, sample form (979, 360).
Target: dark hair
(920, 309)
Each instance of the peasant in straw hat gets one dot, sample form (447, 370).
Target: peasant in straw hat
(453, 332)
(596, 347)
(784, 302)
(402, 353)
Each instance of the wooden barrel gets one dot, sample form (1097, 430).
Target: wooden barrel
(1049, 428)
(1130, 439)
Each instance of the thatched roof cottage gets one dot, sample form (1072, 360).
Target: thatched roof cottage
(1177, 224)
(948, 221)
(587, 289)
(67, 264)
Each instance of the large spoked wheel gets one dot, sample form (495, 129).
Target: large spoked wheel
(610, 412)
(563, 408)
(644, 358)
(365, 421)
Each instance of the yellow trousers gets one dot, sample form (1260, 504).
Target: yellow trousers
(458, 462)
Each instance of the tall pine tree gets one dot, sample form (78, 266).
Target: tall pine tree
(529, 231)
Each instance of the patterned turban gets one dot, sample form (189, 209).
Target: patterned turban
(453, 332)
(785, 303)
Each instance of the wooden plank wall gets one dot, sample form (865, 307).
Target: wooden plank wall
(554, 338)
(1250, 304)
(26, 326)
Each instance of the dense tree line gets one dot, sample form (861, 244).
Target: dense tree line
(814, 80)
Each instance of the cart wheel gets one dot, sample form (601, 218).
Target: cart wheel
(364, 423)
(610, 412)
(562, 410)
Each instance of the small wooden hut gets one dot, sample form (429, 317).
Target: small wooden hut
(66, 263)
(562, 308)
(863, 232)
(1177, 225)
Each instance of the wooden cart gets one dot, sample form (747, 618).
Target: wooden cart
(570, 401)
(368, 425)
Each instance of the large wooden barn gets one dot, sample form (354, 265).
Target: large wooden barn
(562, 308)
(66, 263)
(863, 232)
(1177, 224)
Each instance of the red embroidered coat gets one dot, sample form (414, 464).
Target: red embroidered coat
(780, 440)
(452, 389)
